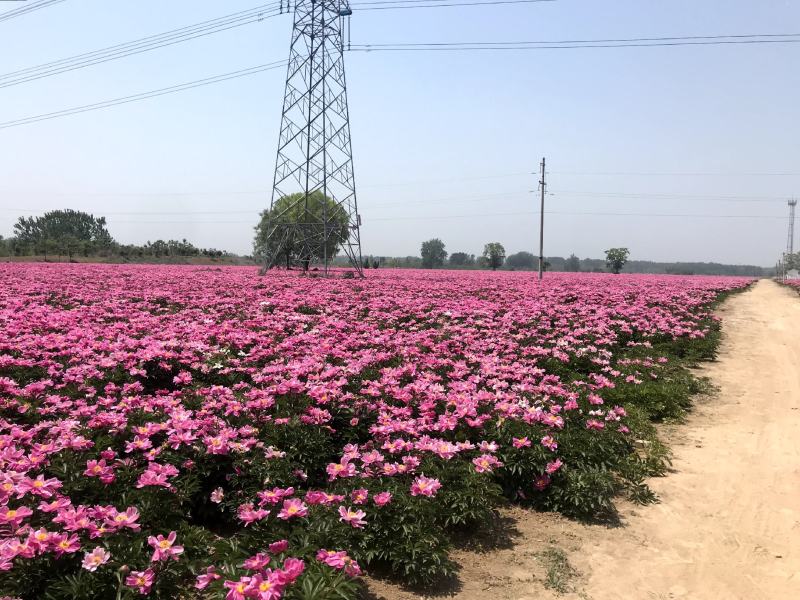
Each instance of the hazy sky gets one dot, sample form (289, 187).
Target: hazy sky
(445, 143)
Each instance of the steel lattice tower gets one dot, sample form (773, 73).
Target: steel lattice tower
(790, 240)
(314, 151)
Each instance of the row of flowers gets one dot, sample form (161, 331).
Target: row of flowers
(182, 430)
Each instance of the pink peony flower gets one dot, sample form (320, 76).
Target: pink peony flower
(354, 517)
(142, 581)
(95, 558)
(279, 546)
(205, 579)
(425, 486)
(382, 498)
(165, 547)
(293, 507)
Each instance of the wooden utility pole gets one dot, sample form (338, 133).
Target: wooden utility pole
(542, 186)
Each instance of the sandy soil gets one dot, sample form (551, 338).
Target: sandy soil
(728, 524)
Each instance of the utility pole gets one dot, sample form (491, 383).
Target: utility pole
(789, 257)
(542, 186)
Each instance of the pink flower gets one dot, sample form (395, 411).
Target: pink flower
(65, 544)
(550, 443)
(141, 580)
(165, 548)
(238, 590)
(217, 495)
(99, 468)
(382, 498)
(279, 546)
(553, 466)
(14, 516)
(425, 486)
(541, 482)
(249, 514)
(40, 486)
(293, 507)
(292, 569)
(359, 496)
(265, 586)
(95, 558)
(354, 517)
(340, 469)
(522, 442)
(275, 495)
(125, 519)
(339, 560)
(486, 463)
(182, 378)
(204, 580)
(595, 399)
(259, 562)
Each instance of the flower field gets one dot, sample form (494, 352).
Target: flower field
(185, 432)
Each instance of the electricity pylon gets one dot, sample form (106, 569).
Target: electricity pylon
(315, 159)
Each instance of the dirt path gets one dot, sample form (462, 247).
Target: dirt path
(728, 524)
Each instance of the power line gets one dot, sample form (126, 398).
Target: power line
(144, 95)
(498, 214)
(562, 45)
(473, 198)
(602, 41)
(141, 45)
(28, 8)
(409, 4)
(656, 196)
(678, 174)
(515, 194)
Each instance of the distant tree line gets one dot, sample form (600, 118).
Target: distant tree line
(71, 233)
(433, 255)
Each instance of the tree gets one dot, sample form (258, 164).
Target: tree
(290, 211)
(68, 230)
(521, 260)
(572, 264)
(461, 259)
(616, 259)
(494, 254)
(433, 253)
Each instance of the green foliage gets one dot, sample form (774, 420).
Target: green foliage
(494, 254)
(572, 264)
(616, 259)
(461, 259)
(276, 232)
(68, 230)
(587, 493)
(521, 260)
(433, 253)
(560, 572)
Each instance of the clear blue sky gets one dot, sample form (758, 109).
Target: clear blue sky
(439, 135)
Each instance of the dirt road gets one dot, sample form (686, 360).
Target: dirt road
(728, 524)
